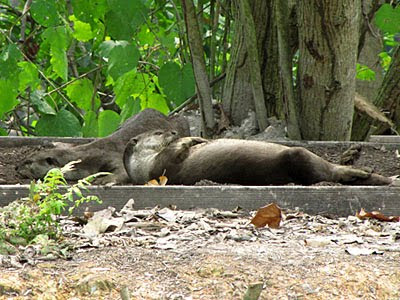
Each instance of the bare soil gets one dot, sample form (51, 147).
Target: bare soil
(206, 255)
(309, 257)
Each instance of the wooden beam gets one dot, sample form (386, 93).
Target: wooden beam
(332, 200)
(384, 138)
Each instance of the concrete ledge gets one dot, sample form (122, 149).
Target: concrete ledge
(334, 200)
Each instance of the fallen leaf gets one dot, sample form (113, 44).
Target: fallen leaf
(162, 181)
(268, 215)
(362, 215)
(362, 251)
(318, 242)
(253, 291)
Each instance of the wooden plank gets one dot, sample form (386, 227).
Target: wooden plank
(18, 141)
(384, 138)
(334, 200)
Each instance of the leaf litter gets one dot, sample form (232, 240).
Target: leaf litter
(164, 253)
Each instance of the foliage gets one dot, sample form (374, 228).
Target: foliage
(82, 67)
(38, 214)
(365, 73)
(72, 68)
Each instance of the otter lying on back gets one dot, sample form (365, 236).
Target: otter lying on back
(191, 159)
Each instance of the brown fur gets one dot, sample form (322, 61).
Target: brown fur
(191, 159)
(101, 155)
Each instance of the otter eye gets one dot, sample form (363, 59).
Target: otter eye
(158, 133)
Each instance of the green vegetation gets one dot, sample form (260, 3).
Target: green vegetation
(82, 67)
(24, 220)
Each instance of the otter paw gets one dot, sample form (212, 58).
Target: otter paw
(348, 174)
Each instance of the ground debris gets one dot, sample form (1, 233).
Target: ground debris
(164, 253)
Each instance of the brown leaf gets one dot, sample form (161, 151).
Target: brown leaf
(362, 215)
(268, 215)
(162, 181)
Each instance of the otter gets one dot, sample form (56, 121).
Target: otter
(102, 155)
(188, 160)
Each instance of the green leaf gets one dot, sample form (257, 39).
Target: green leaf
(90, 126)
(3, 132)
(58, 39)
(125, 17)
(45, 12)
(82, 31)
(131, 107)
(9, 58)
(108, 122)
(125, 87)
(81, 92)
(387, 18)
(122, 57)
(39, 102)
(365, 73)
(60, 63)
(155, 101)
(8, 95)
(178, 84)
(88, 10)
(64, 123)
(385, 60)
(29, 76)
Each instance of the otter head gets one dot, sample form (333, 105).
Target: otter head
(154, 141)
(36, 165)
(141, 150)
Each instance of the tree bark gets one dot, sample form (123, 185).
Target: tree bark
(370, 45)
(282, 13)
(389, 94)
(255, 74)
(328, 41)
(238, 97)
(199, 68)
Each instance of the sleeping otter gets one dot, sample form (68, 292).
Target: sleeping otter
(101, 155)
(191, 159)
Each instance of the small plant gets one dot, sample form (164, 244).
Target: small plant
(39, 212)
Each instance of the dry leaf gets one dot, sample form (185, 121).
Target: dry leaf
(268, 215)
(362, 215)
(162, 181)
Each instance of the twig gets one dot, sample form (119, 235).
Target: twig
(194, 97)
(57, 89)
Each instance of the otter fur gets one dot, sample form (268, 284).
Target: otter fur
(102, 155)
(188, 160)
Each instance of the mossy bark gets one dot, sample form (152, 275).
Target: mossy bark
(328, 43)
(238, 94)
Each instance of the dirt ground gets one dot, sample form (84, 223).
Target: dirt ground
(308, 257)
(206, 255)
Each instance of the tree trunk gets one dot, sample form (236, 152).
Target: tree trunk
(282, 14)
(328, 41)
(389, 94)
(238, 95)
(370, 45)
(255, 74)
(199, 68)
